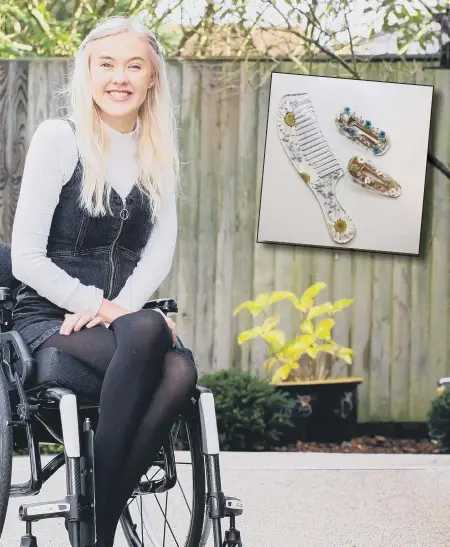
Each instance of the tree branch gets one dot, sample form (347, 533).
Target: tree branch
(322, 48)
(438, 164)
(351, 43)
(430, 11)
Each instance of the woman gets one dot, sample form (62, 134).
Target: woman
(93, 237)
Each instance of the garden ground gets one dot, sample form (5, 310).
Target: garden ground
(366, 444)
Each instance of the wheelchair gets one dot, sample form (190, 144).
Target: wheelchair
(53, 398)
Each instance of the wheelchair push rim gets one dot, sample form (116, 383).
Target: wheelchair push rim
(174, 517)
(6, 449)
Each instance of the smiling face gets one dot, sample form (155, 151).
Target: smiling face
(121, 72)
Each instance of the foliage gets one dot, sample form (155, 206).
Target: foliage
(414, 22)
(251, 414)
(295, 29)
(43, 448)
(56, 28)
(439, 419)
(307, 345)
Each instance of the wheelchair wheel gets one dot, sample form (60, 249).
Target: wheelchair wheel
(6, 449)
(166, 518)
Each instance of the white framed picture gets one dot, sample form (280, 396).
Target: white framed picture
(345, 163)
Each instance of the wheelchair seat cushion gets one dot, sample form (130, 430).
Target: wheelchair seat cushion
(55, 368)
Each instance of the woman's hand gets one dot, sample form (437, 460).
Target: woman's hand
(76, 321)
(172, 324)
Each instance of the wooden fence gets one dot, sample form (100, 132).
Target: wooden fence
(399, 323)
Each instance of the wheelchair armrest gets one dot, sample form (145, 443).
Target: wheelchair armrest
(23, 356)
(167, 305)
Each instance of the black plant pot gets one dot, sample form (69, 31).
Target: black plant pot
(323, 410)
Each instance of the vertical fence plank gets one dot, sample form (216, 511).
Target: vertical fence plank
(284, 260)
(4, 141)
(264, 253)
(168, 288)
(224, 344)
(38, 95)
(381, 316)
(420, 300)
(188, 247)
(401, 327)
(203, 296)
(380, 338)
(18, 101)
(362, 267)
(361, 329)
(246, 209)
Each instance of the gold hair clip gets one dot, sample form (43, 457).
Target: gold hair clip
(367, 175)
(362, 131)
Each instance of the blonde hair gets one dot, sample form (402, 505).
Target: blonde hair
(157, 152)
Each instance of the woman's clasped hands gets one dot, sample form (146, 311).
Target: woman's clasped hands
(76, 321)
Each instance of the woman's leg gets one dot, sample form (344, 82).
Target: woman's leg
(179, 378)
(132, 374)
(95, 347)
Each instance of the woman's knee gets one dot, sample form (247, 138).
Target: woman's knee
(182, 370)
(142, 326)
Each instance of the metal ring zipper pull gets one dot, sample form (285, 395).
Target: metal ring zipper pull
(124, 214)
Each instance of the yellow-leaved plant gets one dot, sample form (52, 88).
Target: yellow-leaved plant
(312, 353)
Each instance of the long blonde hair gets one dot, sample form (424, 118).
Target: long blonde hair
(157, 152)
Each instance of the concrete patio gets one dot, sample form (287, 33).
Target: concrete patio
(306, 500)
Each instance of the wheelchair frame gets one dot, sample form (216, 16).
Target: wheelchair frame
(78, 506)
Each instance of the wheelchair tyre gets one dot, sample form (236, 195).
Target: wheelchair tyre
(194, 534)
(6, 449)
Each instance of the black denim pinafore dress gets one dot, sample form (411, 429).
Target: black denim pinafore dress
(101, 251)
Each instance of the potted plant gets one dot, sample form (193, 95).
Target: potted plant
(324, 406)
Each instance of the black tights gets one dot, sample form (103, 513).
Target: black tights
(145, 383)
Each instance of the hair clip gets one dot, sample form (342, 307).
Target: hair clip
(362, 131)
(364, 173)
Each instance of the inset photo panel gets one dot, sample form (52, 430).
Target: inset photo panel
(345, 163)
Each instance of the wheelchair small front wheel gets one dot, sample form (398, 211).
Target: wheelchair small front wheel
(6, 449)
(174, 514)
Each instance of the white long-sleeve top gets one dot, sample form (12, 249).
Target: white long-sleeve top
(50, 162)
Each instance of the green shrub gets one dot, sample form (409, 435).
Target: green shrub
(43, 448)
(439, 420)
(251, 413)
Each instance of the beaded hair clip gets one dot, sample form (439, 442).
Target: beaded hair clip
(364, 173)
(362, 131)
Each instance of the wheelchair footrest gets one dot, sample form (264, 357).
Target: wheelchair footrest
(45, 510)
(233, 506)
